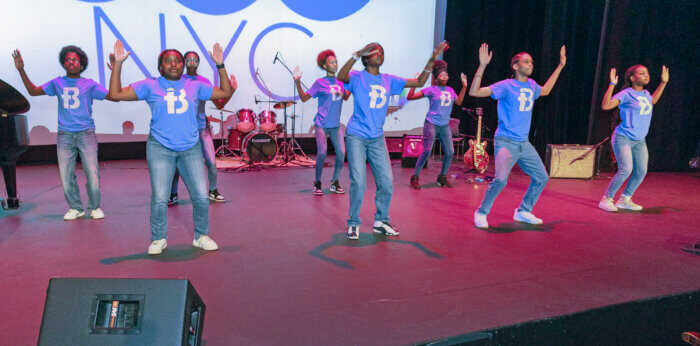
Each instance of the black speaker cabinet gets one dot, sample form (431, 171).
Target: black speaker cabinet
(564, 161)
(121, 312)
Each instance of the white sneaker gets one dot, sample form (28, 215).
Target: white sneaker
(526, 217)
(607, 204)
(353, 232)
(626, 203)
(205, 243)
(382, 227)
(157, 247)
(97, 214)
(73, 214)
(480, 220)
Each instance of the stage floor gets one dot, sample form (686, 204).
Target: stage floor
(286, 274)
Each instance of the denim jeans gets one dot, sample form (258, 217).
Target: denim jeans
(508, 152)
(209, 159)
(375, 151)
(336, 135)
(445, 134)
(68, 146)
(161, 167)
(632, 160)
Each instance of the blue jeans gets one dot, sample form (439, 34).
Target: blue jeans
(445, 135)
(322, 149)
(161, 167)
(208, 152)
(372, 150)
(508, 152)
(632, 159)
(68, 146)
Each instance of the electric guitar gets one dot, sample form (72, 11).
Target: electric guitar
(476, 157)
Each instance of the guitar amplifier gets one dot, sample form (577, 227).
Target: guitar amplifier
(563, 161)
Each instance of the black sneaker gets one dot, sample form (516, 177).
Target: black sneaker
(415, 182)
(215, 196)
(442, 181)
(173, 199)
(353, 232)
(386, 228)
(317, 189)
(335, 187)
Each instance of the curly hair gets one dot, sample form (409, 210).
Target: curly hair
(375, 45)
(439, 66)
(321, 58)
(75, 49)
(160, 58)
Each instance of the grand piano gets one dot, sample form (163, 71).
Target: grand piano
(14, 139)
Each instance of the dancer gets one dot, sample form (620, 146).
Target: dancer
(515, 96)
(437, 121)
(205, 138)
(629, 146)
(330, 93)
(76, 127)
(365, 135)
(173, 141)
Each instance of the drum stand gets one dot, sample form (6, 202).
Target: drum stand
(223, 150)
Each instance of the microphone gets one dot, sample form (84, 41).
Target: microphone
(276, 58)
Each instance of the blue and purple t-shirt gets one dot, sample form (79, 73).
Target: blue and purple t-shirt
(635, 113)
(201, 116)
(441, 100)
(329, 92)
(515, 101)
(75, 97)
(173, 109)
(371, 100)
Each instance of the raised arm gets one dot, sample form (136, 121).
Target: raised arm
(344, 73)
(297, 81)
(608, 102)
(32, 89)
(220, 103)
(225, 89)
(662, 86)
(423, 77)
(460, 98)
(484, 59)
(116, 92)
(547, 88)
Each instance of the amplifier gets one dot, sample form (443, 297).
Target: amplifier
(564, 161)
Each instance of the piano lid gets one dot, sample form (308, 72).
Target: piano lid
(11, 101)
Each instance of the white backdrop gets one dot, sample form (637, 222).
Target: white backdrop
(250, 31)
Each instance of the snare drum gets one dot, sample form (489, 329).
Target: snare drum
(260, 147)
(268, 121)
(246, 120)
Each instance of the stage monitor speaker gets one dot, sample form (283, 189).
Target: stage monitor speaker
(565, 161)
(394, 144)
(121, 312)
(412, 147)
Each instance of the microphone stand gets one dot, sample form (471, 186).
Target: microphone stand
(292, 145)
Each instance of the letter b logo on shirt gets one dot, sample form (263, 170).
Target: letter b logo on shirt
(335, 92)
(378, 96)
(445, 98)
(525, 99)
(170, 99)
(644, 105)
(71, 94)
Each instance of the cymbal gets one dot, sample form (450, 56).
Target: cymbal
(222, 109)
(283, 104)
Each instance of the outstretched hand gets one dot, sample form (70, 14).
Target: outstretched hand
(119, 54)
(441, 47)
(562, 56)
(218, 54)
(613, 76)
(234, 82)
(110, 63)
(484, 54)
(296, 73)
(464, 79)
(19, 63)
(368, 50)
(664, 74)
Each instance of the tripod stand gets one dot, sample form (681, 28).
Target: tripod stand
(223, 150)
(290, 146)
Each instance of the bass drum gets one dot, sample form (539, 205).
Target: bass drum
(260, 147)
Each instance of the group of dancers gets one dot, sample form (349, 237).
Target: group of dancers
(180, 142)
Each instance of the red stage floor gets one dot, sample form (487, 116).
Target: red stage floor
(285, 274)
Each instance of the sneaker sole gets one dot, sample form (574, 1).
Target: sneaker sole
(527, 221)
(629, 208)
(338, 192)
(157, 253)
(217, 200)
(75, 218)
(608, 209)
(383, 231)
(199, 246)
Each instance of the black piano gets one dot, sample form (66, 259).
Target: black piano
(14, 138)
